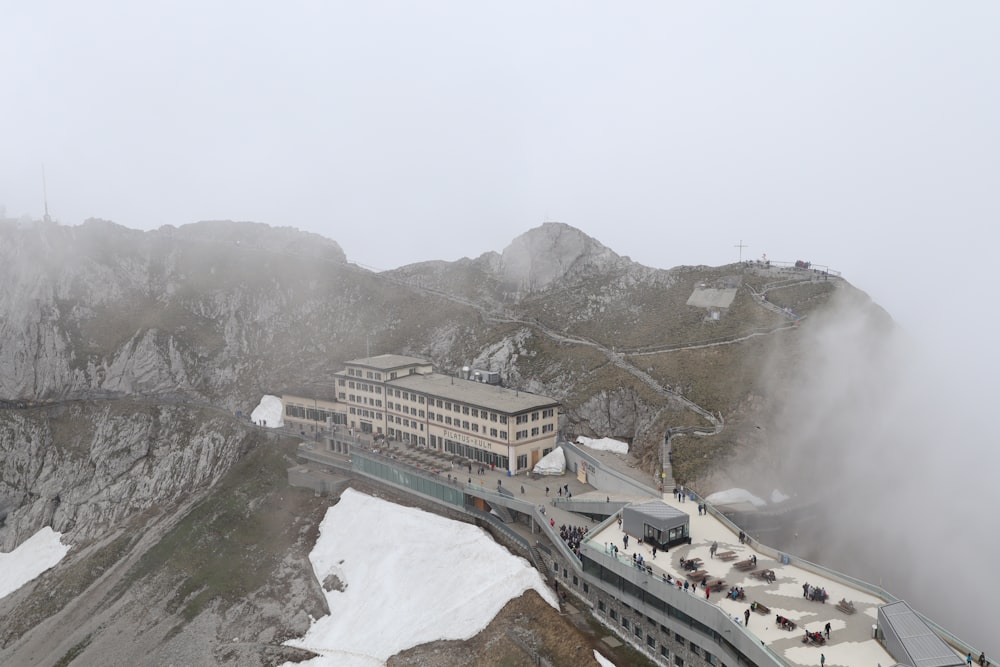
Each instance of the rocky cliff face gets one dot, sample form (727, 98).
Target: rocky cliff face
(84, 467)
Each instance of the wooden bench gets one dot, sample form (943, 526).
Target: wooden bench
(744, 565)
(784, 622)
(697, 575)
(761, 609)
(846, 607)
(765, 574)
(690, 564)
(727, 555)
(716, 585)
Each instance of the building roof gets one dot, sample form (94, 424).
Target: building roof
(491, 396)
(658, 510)
(922, 645)
(387, 362)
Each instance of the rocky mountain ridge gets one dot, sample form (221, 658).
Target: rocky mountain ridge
(125, 357)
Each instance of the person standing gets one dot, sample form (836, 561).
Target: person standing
(822, 659)
(746, 617)
(827, 629)
(546, 490)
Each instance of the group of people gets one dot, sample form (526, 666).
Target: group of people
(784, 623)
(572, 536)
(689, 564)
(736, 593)
(814, 593)
(680, 494)
(982, 659)
(813, 638)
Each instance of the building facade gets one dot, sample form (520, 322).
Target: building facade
(403, 399)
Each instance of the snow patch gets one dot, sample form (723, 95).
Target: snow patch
(602, 661)
(386, 609)
(734, 496)
(38, 553)
(268, 412)
(553, 463)
(604, 444)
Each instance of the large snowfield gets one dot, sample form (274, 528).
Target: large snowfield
(35, 555)
(408, 577)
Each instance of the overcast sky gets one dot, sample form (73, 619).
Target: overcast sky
(863, 136)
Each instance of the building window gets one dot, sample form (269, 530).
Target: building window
(601, 606)
(493, 416)
(475, 412)
(625, 623)
(664, 652)
(503, 435)
(534, 416)
(503, 419)
(475, 428)
(614, 615)
(678, 661)
(638, 631)
(548, 428)
(447, 420)
(534, 431)
(465, 425)
(493, 433)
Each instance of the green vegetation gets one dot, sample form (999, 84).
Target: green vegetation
(231, 543)
(74, 652)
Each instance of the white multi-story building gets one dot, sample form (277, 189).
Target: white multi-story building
(404, 399)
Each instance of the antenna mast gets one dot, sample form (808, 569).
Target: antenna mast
(45, 196)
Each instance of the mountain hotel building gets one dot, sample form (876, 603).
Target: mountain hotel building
(403, 398)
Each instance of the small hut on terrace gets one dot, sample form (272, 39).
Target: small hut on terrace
(656, 523)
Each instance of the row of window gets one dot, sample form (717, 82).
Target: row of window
(364, 400)
(546, 428)
(368, 414)
(636, 629)
(406, 422)
(361, 386)
(312, 414)
(371, 375)
(405, 409)
(405, 436)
